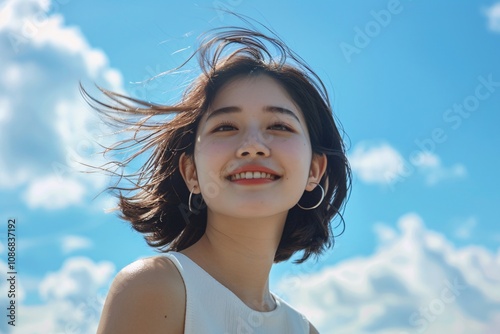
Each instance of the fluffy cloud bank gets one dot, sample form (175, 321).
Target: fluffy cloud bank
(45, 126)
(73, 299)
(416, 282)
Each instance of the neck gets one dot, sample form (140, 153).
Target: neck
(239, 253)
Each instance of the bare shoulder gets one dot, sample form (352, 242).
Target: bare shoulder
(312, 329)
(147, 296)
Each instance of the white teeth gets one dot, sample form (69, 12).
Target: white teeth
(252, 175)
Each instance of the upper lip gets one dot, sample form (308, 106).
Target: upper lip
(253, 168)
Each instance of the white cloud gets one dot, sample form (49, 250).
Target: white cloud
(384, 232)
(71, 243)
(416, 282)
(383, 164)
(78, 277)
(54, 193)
(430, 165)
(73, 299)
(376, 163)
(43, 60)
(493, 14)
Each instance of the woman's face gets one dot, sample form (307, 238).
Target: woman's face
(252, 154)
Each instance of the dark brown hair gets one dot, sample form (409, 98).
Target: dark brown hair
(156, 203)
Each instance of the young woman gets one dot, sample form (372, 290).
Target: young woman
(251, 170)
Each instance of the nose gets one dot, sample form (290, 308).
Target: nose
(253, 145)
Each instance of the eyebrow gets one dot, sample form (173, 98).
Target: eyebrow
(270, 109)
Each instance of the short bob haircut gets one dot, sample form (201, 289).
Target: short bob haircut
(157, 202)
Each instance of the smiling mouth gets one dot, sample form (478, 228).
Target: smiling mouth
(252, 175)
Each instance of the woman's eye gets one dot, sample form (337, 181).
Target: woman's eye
(280, 127)
(224, 127)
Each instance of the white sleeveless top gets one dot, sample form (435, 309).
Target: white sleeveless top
(212, 308)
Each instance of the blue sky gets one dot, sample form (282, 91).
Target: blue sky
(415, 84)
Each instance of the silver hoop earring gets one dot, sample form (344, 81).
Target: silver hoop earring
(189, 201)
(320, 200)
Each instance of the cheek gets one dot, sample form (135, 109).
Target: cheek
(299, 149)
(210, 157)
(211, 149)
(297, 153)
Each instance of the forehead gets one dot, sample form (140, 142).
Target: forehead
(253, 90)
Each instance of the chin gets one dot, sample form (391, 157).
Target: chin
(258, 211)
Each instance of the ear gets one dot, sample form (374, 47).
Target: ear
(188, 172)
(317, 170)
